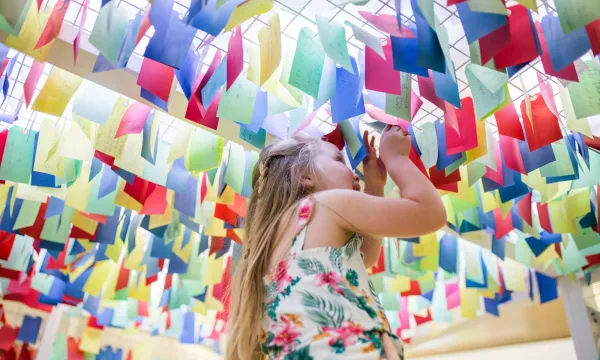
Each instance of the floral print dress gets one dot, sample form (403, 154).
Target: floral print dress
(320, 303)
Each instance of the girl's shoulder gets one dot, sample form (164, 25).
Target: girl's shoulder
(322, 223)
(304, 211)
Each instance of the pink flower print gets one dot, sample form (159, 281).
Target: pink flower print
(281, 274)
(303, 214)
(286, 337)
(304, 211)
(332, 279)
(347, 333)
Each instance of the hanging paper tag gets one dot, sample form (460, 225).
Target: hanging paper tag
(527, 100)
(78, 36)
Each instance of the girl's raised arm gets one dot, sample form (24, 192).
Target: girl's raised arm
(419, 211)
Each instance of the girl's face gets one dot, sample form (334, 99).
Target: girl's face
(332, 169)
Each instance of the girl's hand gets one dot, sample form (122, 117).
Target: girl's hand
(394, 143)
(373, 168)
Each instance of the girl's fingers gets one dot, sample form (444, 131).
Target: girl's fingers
(366, 141)
(356, 184)
(372, 142)
(387, 128)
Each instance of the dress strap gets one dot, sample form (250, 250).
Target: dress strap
(302, 218)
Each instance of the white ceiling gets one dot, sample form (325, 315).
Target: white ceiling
(294, 15)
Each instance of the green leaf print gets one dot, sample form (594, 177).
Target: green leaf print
(311, 266)
(271, 290)
(338, 346)
(322, 311)
(364, 305)
(288, 289)
(375, 338)
(352, 277)
(335, 256)
(300, 354)
(352, 246)
(372, 290)
(347, 292)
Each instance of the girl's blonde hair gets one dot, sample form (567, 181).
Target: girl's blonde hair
(277, 186)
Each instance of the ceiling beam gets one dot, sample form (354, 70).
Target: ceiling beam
(124, 81)
(520, 322)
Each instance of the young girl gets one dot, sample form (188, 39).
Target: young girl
(301, 290)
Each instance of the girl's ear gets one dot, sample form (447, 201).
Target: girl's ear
(308, 182)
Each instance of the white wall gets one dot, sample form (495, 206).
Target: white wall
(559, 349)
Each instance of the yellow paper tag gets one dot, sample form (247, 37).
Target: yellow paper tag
(212, 303)
(47, 158)
(84, 223)
(247, 10)
(398, 284)
(183, 252)
(79, 193)
(269, 38)
(138, 289)
(216, 228)
(514, 278)
(131, 158)
(199, 307)
(113, 251)
(91, 338)
(30, 33)
(134, 259)
(123, 199)
(469, 303)
(56, 92)
(105, 139)
(98, 277)
(427, 246)
(214, 270)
